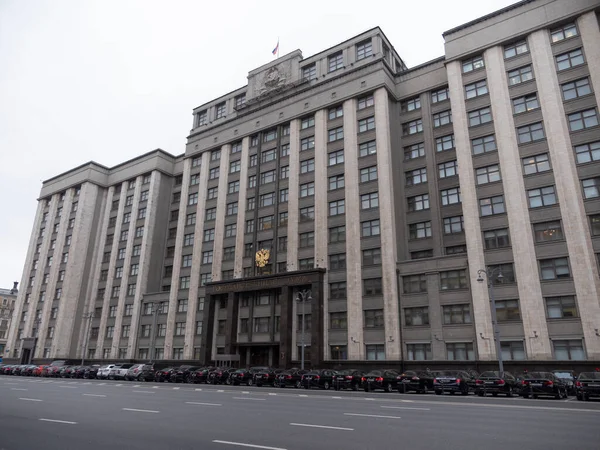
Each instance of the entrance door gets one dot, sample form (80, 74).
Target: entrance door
(26, 356)
(259, 356)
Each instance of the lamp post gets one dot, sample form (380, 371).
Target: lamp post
(303, 297)
(489, 274)
(86, 338)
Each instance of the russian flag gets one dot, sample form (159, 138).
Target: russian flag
(276, 49)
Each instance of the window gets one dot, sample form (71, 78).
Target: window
(520, 75)
(419, 230)
(233, 187)
(336, 134)
(556, 268)
(515, 49)
(307, 143)
(413, 284)
(450, 196)
(215, 155)
(141, 213)
(371, 257)
(591, 187)
(213, 174)
(595, 224)
(337, 234)
(488, 174)
(453, 225)
(220, 110)
(193, 199)
(565, 32)
(307, 122)
(530, 133)
(205, 278)
(337, 262)
(336, 61)
(119, 272)
(307, 189)
(363, 50)
(366, 124)
(184, 282)
(250, 226)
(453, 279)
(588, 152)
(507, 310)
(575, 89)
(235, 166)
(112, 311)
(309, 72)
(412, 104)
(561, 307)
(182, 305)
(368, 201)
(307, 239)
(230, 230)
(442, 144)
(583, 119)
(236, 147)
(268, 155)
(307, 214)
(127, 217)
(267, 199)
(483, 145)
(306, 263)
(266, 223)
(336, 157)
(337, 207)
(285, 150)
(262, 324)
(281, 243)
(525, 103)
(570, 59)
(456, 314)
(480, 116)
(267, 177)
(284, 195)
(339, 352)
(473, 64)
(209, 235)
(201, 118)
(448, 169)
(337, 291)
(416, 176)
(440, 95)
(375, 352)
(476, 89)
(188, 239)
(336, 182)
(110, 331)
(232, 208)
(412, 127)
(548, 231)
(374, 318)
(367, 174)
(130, 292)
(367, 148)
(124, 235)
(365, 102)
(416, 316)
(492, 205)
(571, 350)
(251, 203)
(418, 352)
(545, 196)
(536, 164)
(139, 232)
(496, 238)
(207, 257)
(306, 166)
(190, 219)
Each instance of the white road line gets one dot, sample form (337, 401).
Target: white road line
(69, 387)
(406, 407)
(175, 388)
(18, 389)
(155, 387)
(94, 395)
(321, 426)
(249, 398)
(10, 383)
(241, 444)
(197, 389)
(220, 390)
(136, 385)
(302, 395)
(407, 401)
(337, 397)
(372, 415)
(245, 392)
(272, 393)
(101, 384)
(58, 421)
(144, 392)
(203, 404)
(118, 385)
(141, 410)
(369, 399)
(30, 399)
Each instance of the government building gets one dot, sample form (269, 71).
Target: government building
(349, 205)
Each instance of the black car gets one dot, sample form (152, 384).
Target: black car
(569, 377)
(182, 374)
(266, 377)
(493, 383)
(453, 381)
(201, 375)
(91, 372)
(145, 372)
(420, 382)
(241, 376)
(292, 378)
(164, 374)
(386, 380)
(588, 385)
(318, 378)
(348, 379)
(221, 375)
(535, 384)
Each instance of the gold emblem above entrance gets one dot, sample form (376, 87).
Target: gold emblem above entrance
(262, 257)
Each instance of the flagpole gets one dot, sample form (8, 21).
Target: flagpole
(277, 46)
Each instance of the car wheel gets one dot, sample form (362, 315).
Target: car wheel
(388, 387)
(466, 392)
(480, 394)
(534, 396)
(306, 386)
(366, 389)
(558, 395)
(326, 385)
(249, 382)
(494, 394)
(258, 384)
(438, 392)
(525, 395)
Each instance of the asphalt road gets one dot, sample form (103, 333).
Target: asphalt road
(56, 414)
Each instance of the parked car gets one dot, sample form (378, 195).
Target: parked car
(242, 376)
(494, 383)
(267, 377)
(104, 371)
(79, 372)
(535, 384)
(588, 385)
(386, 380)
(569, 377)
(420, 382)
(201, 375)
(141, 372)
(164, 374)
(292, 378)
(119, 371)
(91, 372)
(322, 378)
(453, 381)
(221, 375)
(348, 379)
(182, 374)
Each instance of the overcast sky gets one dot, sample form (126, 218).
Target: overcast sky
(108, 80)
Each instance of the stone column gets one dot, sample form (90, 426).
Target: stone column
(285, 327)
(207, 330)
(590, 36)
(232, 322)
(293, 213)
(221, 210)
(241, 216)
(481, 305)
(316, 311)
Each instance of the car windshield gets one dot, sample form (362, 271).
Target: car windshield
(490, 374)
(375, 373)
(589, 376)
(538, 375)
(560, 374)
(448, 373)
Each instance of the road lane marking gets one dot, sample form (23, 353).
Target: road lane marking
(101, 384)
(136, 385)
(59, 421)
(407, 407)
(30, 399)
(197, 389)
(18, 389)
(144, 392)
(369, 398)
(337, 397)
(245, 392)
(372, 415)
(204, 404)
(118, 385)
(241, 444)
(94, 395)
(302, 395)
(69, 387)
(320, 426)
(10, 383)
(220, 390)
(155, 387)
(141, 410)
(249, 398)
(175, 388)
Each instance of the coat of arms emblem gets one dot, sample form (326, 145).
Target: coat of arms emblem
(262, 257)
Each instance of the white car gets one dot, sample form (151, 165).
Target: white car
(104, 371)
(119, 371)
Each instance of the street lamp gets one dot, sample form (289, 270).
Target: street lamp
(489, 274)
(303, 297)
(86, 338)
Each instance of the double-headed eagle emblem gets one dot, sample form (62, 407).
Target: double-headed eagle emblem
(262, 257)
